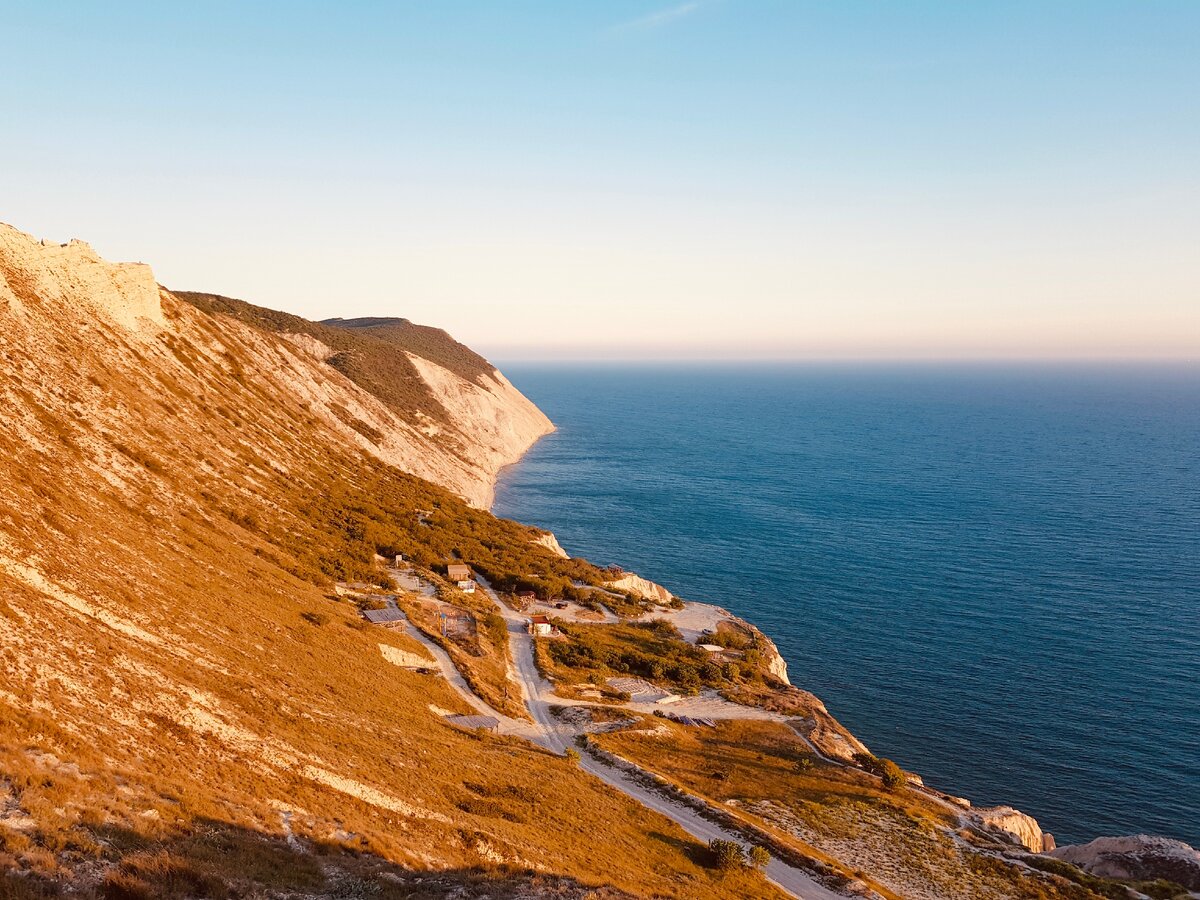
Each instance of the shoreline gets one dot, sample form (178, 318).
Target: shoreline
(1022, 821)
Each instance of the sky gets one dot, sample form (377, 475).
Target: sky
(713, 179)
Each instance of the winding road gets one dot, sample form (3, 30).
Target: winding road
(547, 731)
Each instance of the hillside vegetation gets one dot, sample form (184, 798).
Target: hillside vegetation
(370, 352)
(187, 710)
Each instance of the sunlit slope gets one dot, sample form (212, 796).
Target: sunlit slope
(173, 666)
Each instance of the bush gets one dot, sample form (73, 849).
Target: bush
(315, 618)
(572, 755)
(759, 857)
(892, 775)
(726, 855)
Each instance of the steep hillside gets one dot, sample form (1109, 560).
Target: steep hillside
(433, 394)
(186, 708)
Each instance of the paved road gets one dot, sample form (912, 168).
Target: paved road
(556, 736)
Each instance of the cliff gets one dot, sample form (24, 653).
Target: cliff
(419, 400)
(642, 587)
(1013, 822)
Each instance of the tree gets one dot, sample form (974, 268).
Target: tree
(759, 857)
(727, 855)
(572, 755)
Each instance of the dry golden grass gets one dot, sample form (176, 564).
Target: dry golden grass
(162, 678)
(899, 842)
(480, 653)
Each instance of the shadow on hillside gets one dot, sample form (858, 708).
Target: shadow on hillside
(697, 853)
(221, 861)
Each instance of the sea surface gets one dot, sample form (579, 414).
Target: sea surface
(989, 574)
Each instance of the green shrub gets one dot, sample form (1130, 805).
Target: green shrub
(892, 775)
(726, 855)
(759, 857)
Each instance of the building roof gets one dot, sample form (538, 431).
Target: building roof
(383, 616)
(540, 620)
(458, 570)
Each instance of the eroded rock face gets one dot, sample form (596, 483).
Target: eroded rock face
(643, 587)
(498, 422)
(1140, 857)
(125, 294)
(776, 664)
(1013, 822)
(550, 542)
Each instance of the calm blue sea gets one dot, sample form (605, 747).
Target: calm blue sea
(991, 575)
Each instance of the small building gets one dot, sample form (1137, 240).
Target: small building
(539, 626)
(467, 587)
(458, 572)
(526, 595)
(399, 560)
(388, 617)
(711, 648)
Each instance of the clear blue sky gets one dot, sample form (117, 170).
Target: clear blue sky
(724, 178)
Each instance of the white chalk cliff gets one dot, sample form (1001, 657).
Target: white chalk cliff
(124, 294)
(1139, 856)
(64, 292)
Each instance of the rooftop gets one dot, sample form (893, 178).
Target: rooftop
(383, 616)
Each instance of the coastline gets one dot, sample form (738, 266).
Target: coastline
(896, 541)
(829, 738)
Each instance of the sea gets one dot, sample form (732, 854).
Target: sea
(990, 574)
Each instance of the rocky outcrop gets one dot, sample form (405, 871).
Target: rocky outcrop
(124, 294)
(497, 422)
(776, 664)
(1139, 857)
(550, 542)
(1013, 823)
(636, 584)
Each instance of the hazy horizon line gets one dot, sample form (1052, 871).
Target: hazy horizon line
(1065, 361)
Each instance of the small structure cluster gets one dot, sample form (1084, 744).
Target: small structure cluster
(461, 576)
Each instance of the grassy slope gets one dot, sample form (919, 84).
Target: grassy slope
(898, 839)
(433, 344)
(372, 357)
(165, 513)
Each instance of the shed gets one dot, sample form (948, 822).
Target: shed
(389, 617)
(458, 572)
(539, 626)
